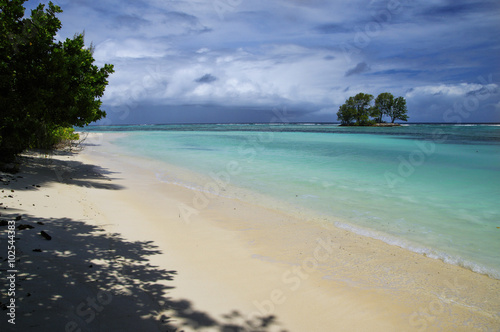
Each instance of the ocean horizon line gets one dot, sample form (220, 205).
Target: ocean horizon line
(286, 123)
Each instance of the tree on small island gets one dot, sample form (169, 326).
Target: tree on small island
(357, 110)
(46, 86)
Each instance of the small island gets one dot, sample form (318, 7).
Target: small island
(357, 110)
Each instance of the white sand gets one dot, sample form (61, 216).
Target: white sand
(129, 253)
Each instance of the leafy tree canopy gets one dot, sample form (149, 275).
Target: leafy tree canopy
(357, 110)
(383, 105)
(45, 85)
(399, 110)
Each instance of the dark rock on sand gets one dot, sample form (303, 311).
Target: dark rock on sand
(45, 235)
(22, 227)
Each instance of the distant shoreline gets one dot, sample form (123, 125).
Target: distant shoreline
(375, 125)
(281, 123)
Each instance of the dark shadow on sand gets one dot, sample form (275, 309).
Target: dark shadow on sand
(80, 263)
(92, 264)
(48, 170)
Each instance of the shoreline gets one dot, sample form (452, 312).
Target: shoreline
(234, 255)
(221, 182)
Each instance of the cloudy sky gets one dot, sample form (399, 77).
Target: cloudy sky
(180, 61)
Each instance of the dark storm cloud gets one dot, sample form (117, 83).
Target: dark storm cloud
(331, 28)
(207, 78)
(128, 21)
(361, 67)
(449, 9)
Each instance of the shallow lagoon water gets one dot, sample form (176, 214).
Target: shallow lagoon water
(432, 189)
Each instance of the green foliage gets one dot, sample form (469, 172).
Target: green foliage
(357, 110)
(56, 136)
(399, 110)
(45, 85)
(346, 114)
(383, 105)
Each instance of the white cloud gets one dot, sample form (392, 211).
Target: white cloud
(111, 49)
(269, 53)
(456, 90)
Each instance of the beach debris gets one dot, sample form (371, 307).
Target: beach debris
(24, 226)
(45, 235)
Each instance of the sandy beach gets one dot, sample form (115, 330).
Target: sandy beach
(128, 252)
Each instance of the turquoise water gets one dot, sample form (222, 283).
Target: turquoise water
(433, 189)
